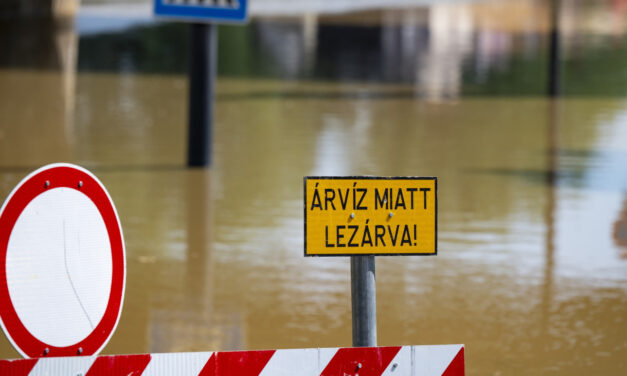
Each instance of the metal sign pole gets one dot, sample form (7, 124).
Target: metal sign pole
(363, 301)
(554, 50)
(354, 211)
(202, 70)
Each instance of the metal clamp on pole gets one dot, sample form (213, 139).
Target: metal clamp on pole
(363, 301)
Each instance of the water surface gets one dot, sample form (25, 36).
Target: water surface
(531, 273)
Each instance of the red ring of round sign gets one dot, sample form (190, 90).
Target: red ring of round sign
(79, 180)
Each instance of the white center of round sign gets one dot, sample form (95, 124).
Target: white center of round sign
(71, 279)
(62, 263)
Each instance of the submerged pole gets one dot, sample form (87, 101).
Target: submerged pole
(363, 301)
(554, 50)
(202, 70)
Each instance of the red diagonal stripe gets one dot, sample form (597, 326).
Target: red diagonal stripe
(364, 361)
(240, 363)
(18, 367)
(128, 365)
(210, 367)
(456, 368)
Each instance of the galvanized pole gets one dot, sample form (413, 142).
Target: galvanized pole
(363, 301)
(202, 70)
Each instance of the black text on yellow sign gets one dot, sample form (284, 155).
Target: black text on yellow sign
(347, 216)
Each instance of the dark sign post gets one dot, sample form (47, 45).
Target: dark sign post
(554, 50)
(202, 66)
(367, 216)
(202, 70)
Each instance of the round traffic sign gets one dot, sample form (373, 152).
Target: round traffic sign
(62, 263)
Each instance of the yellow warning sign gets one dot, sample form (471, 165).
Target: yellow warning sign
(370, 216)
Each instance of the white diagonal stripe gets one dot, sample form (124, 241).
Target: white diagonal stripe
(325, 356)
(292, 362)
(75, 365)
(433, 360)
(401, 364)
(182, 364)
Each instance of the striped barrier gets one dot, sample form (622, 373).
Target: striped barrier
(447, 360)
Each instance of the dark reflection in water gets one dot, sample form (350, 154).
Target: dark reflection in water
(38, 43)
(159, 48)
(620, 230)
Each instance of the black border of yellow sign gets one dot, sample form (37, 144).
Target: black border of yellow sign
(435, 179)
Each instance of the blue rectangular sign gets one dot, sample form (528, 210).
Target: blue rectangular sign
(202, 10)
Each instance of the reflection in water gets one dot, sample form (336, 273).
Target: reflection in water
(530, 274)
(620, 231)
(184, 315)
(444, 50)
(551, 187)
(450, 35)
(43, 54)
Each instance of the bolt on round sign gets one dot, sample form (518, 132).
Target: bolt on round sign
(62, 263)
(369, 215)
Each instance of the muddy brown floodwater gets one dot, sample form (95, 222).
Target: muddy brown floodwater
(531, 272)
